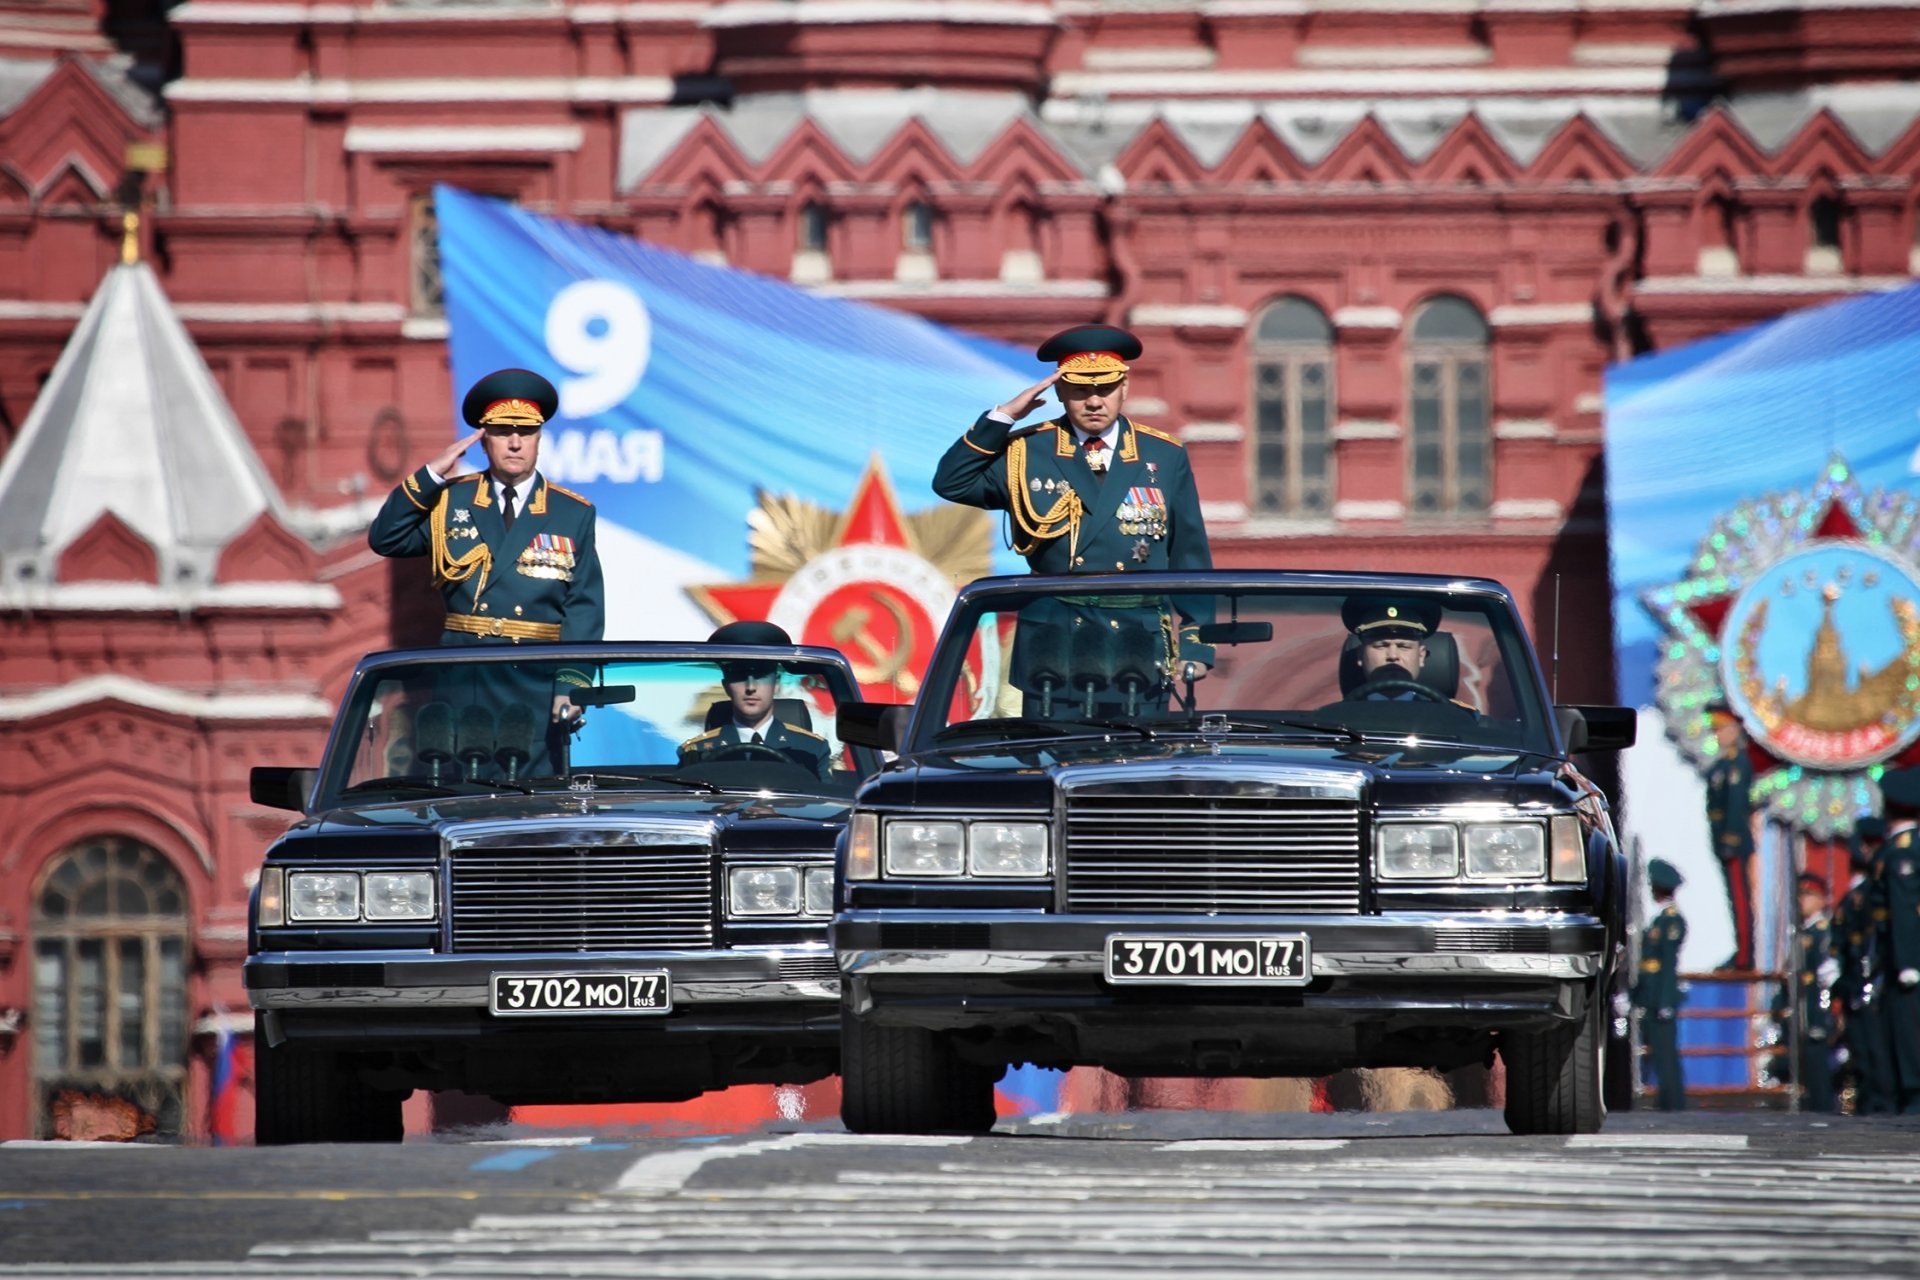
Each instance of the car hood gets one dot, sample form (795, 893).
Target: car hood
(1392, 772)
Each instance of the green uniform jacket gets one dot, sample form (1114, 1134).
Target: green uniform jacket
(1853, 944)
(1730, 806)
(1142, 513)
(1897, 893)
(1815, 1009)
(808, 750)
(545, 569)
(1657, 987)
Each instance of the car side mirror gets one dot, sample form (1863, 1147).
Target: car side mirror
(281, 787)
(881, 725)
(1595, 728)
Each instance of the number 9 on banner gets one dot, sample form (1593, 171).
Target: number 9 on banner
(600, 330)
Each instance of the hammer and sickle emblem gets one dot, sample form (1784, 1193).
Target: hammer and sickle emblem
(882, 665)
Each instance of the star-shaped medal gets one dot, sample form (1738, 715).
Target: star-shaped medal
(1141, 550)
(461, 515)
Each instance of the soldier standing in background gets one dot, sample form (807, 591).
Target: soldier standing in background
(1730, 818)
(1656, 989)
(1896, 906)
(1856, 985)
(1805, 996)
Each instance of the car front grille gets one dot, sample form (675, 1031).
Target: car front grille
(1472, 938)
(610, 898)
(1183, 850)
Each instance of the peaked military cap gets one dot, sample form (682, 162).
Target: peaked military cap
(510, 397)
(1381, 618)
(1900, 788)
(1091, 354)
(749, 631)
(1664, 876)
(1868, 827)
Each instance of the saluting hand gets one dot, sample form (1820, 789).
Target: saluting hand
(1023, 404)
(443, 464)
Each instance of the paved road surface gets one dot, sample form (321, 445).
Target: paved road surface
(1088, 1198)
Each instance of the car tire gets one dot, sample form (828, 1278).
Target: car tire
(1556, 1080)
(300, 1096)
(909, 1080)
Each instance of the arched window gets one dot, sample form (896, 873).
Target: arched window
(811, 262)
(916, 228)
(110, 982)
(1823, 237)
(1447, 379)
(1292, 451)
(812, 236)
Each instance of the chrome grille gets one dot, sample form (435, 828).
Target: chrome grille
(1467, 938)
(808, 969)
(1230, 853)
(610, 898)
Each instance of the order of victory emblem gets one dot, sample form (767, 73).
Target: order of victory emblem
(872, 581)
(1802, 612)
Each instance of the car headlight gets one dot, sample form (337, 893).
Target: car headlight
(323, 895)
(1506, 851)
(1011, 849)
(399, 895)
(764, 891)
(1416, 851)
(818, 896)
(925, 848)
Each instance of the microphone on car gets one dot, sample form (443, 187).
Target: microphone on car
(1090, 661)
(516, 740)
(433, 737)
(476, 738)
(1044, 646)
(1133, 662)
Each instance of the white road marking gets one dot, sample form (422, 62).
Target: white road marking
(1659, 1141)
(1256, 1144)
(567, 1141)
(668, 1171)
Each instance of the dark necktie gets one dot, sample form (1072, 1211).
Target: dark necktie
(506, 505)
(756, 738)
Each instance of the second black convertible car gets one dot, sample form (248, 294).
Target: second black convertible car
(1229, 824)
(475, 900)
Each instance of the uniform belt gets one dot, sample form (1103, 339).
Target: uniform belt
(512, 628)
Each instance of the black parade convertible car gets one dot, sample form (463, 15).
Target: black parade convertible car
(1195, 825)
(479, 901)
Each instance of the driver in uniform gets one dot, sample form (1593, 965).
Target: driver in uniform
(1390, 637)
(753, 730)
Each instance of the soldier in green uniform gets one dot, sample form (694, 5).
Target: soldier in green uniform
(1806, 997)
(1856, 987)
(1730, 819)
(1090, 492)
(1387, 652)
(1896, 904)
(755, 729)
(1656, 989)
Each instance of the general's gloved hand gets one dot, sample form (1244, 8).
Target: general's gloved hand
(1910, 978)
(1828, 973)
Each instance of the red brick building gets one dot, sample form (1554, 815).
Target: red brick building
(1379, 251)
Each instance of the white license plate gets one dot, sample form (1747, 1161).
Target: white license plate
(647, 991)
(1268, 960)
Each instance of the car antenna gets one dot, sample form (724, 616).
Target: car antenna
(1556, 639)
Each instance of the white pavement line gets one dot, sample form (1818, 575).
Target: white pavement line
(1659, 1141)
(669, 1171)
(74, 1144)
(567, 1141)
(1256, 1144)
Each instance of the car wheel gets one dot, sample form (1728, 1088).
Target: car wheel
(909, 1080)
(1556, 1079)
(301, 1096)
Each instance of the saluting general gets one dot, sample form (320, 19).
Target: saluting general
(1093, 491)
(512, 554)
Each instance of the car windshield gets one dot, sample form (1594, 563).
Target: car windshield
(1445, 666)
(455, 725)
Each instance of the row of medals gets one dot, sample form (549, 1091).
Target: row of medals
(535, 563)
(1137, 518)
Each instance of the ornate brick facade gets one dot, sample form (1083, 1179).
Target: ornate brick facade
(1290, 202)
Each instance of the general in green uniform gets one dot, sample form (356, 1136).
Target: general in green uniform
(1730, 820)
(1656, 988)
(1090, 492)
(1856, 987)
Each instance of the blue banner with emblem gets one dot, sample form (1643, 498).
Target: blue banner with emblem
(695, 399)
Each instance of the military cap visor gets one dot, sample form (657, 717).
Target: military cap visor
(1900, 788)
(510, 398)
(1381, 618)
(1091, 354)
(1664, 876)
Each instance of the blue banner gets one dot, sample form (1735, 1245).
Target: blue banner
(689, 391)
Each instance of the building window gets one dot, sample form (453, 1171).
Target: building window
(1449, 460)
(1823, 237)
(915, 264)
(110, 985)
(811, 263)
(1292, 451)
(813, 228)
(1719, 253)
(426, 297)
